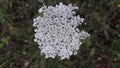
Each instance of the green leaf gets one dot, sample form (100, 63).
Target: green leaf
(88, 41)
(92, 51)
(1, 45)
(49, 2)
(5, 40)
(61, 66)
(106, 34)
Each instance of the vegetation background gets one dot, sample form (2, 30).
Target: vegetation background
(100, 50)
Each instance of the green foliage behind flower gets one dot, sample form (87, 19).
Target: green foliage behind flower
(100, 50)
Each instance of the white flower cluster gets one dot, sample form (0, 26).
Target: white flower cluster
(56, 31)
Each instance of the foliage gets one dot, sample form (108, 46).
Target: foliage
(100, 50)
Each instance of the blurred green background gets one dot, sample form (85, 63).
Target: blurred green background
(100, 50)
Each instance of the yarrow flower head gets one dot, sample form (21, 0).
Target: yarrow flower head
(56, 31)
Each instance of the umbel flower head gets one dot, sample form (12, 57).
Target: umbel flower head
(56, 31)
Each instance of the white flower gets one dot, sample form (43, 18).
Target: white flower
(56, 31)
